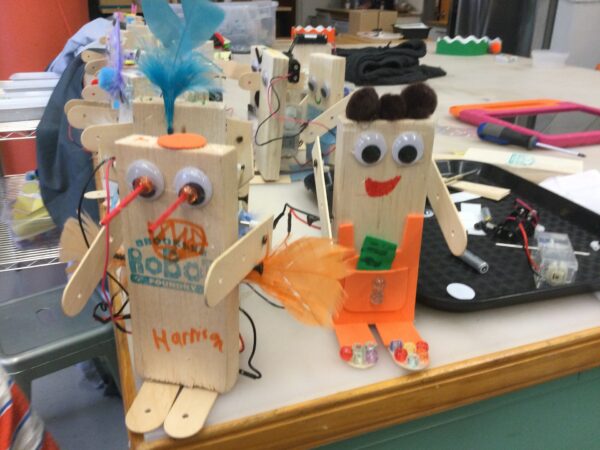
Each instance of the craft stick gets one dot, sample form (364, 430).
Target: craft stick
(483, 190)
(229, 269)
(151, 406)
(82, 116)
(324, 122)
(189, 412)
(250, 81)
(444, 208)
(94, 93)
(91, 55)
(92, 67)
(87, 276)
(96, 136)
(322, 202)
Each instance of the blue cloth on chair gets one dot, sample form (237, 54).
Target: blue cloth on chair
(63, 165)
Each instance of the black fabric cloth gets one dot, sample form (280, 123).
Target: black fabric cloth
(371, 66)
(63, 165)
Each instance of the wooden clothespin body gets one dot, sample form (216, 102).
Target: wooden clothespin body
(384, 173)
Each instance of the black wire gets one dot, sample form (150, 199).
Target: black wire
(82, 197)
(87, 243)
(80, 220)
(303, 127)
(256, 375)
(270, 116)
(256, 291)
(310, 217)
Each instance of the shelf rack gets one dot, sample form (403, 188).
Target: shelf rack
(16, 131)
(12, 257)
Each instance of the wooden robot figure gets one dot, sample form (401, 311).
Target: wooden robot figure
(325, 89)
(384, 173)
(178, 223)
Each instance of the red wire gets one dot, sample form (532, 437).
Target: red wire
(532, 263)
(172, 207)
(243, 344)
(122, 204)
(300, 219)
(107, 298)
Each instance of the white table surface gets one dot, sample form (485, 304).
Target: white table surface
(301, 363)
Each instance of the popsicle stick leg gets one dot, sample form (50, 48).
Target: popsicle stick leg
(357, 344)
(405, 345)
(151, 406)
(189, 412)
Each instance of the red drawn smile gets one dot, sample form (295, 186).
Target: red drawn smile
(380, 188)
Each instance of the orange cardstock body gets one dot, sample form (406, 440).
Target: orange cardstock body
(395, 314)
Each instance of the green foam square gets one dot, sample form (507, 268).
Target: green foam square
(376, 254)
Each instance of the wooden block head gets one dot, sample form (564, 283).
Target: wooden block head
(382, 166)
(325, 80)
(268, 141)
(205, 118)
(176, 337)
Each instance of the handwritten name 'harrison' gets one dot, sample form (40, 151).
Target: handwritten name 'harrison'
(193, 336)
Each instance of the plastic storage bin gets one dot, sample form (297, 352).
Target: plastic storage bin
(249, 23)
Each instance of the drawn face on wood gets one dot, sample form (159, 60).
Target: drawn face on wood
(383, 161)
(325, 80)
(177, 338)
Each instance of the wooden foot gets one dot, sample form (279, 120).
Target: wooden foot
(151, 406)
(358, 346)
(188, 414)
(404, 343)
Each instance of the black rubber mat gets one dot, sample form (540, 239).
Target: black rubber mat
(509, 279)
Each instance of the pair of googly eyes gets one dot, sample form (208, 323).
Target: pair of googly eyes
(313, 86)
(407, 149)
(187, 176)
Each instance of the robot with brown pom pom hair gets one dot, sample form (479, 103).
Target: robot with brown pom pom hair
(384, 173)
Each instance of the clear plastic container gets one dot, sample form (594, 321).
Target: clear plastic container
(248, 23)
(555, 258)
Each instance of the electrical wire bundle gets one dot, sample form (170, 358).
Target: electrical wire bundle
(275, 112)
(107, 305)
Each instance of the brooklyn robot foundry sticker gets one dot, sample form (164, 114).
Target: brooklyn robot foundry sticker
(173, 257)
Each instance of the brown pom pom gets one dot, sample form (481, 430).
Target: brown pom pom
(420, 101)
(363, 106)
(393, 107)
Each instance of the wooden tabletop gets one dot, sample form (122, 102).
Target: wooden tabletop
(307, 397)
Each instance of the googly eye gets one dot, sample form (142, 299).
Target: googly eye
(197, 184)
(369, 148)
(312, 84)
(144, 171)
(408, 148)
(325, 91)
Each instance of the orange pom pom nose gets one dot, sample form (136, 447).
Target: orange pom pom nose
(181, 141)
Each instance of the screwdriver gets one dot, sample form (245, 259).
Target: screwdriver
(507, 136)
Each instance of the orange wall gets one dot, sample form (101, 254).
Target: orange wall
(33, 33)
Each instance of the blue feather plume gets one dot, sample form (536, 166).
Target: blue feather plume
(110, 77)
(176, 66)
